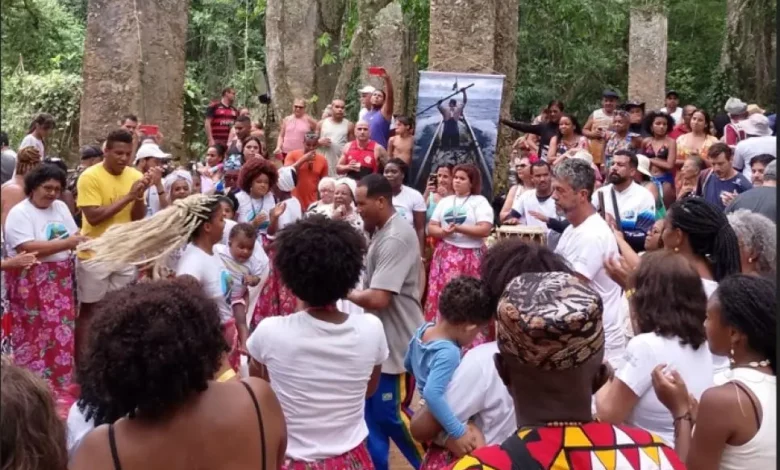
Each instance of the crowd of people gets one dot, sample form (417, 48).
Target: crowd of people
(308, 307)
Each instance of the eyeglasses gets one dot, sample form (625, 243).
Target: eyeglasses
(297, 107)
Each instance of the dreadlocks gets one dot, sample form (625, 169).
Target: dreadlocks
(27, 159)
(749, 304)
(709, 234)
(149, 242)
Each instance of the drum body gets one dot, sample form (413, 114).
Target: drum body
(528, 234)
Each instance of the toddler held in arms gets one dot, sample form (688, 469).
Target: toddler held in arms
(245, 270)
(435, 350)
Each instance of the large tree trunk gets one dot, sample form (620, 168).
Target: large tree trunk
(748, 53)
(134, 62)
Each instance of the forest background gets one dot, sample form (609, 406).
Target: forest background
(569, 50)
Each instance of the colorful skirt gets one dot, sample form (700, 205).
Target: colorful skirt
(356, 459)
(437, 458)
(42, 305)
(275, 299)
(449, 262)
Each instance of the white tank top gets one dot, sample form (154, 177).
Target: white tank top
(761, 450)
(601, 119)
(337, 133)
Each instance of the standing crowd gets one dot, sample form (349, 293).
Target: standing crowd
(291, 308)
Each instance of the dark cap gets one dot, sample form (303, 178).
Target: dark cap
(610, 94)
(90, 151)
(672, 92)
(631, 104)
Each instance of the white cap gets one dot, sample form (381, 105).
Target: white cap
(756, 125)
(735, 106)
(643, 165)
(366, 90)
(150, 150)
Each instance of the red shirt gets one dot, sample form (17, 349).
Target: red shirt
(679, 130)
(309, 176)
(364, 156)
(222, 119)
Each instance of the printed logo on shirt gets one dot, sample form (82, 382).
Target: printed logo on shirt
(262, 226)
(455, 215)
(226, 284)
(55, 231)
(401, 210)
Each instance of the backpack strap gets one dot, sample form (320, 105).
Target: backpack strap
(519, 455)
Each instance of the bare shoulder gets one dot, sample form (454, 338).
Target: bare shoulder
(93, 452)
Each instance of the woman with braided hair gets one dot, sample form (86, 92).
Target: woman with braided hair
(190, 226)
(12, 192)
(736, 420)
(702, 233)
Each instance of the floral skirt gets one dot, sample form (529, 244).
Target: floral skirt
(356, 459)
(449, 262)
(42, 308)
(275, 299)
(437, 458)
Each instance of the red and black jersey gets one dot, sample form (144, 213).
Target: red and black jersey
(222, 119)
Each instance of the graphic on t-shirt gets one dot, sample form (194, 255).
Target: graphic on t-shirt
(226, 284)
(401, 210)
(264, 225)
(455, 215)
(55, 231)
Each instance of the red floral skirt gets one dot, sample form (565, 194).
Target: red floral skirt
(42, 307)
(449, 262)
(275, 299)
(356, 459)
(437, 458)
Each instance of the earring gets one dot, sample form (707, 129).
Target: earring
(750, 260)
(731, 357)
(676, 250)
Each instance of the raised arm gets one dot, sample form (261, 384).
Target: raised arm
(387, 108)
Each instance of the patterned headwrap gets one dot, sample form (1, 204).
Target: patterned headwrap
(550, 320)
(232, 162)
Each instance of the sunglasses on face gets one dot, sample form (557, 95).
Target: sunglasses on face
(297, 107)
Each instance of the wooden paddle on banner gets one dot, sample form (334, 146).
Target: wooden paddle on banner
(446, 97)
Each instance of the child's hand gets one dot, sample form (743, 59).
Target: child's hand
(251, 280)
(467, 443)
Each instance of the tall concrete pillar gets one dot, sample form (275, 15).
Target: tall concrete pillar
(478, 37)
(647, 56)
(134, 62)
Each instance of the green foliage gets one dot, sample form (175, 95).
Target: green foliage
(418, 12)
(42, 35)
(570, 50)
(58, 93)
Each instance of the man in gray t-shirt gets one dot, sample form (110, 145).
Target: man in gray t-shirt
(391, 292)
(763, 199)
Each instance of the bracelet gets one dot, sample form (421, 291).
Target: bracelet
(686, 417)
(629, 293)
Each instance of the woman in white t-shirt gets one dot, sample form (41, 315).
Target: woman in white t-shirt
(321, 363)
(41, 300)
(461, 222)
(735, 421)
(39, 129)
(408, 202)
(275, 298)
(669, 332)
(257, 179)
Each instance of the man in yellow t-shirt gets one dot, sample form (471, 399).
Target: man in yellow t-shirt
(109, 193)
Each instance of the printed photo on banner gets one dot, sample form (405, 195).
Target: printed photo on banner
(457, 122)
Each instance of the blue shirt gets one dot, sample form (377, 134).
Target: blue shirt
(378, 127)
(433, 364)
(712, 187)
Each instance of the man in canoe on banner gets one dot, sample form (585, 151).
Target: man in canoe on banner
(450, 135)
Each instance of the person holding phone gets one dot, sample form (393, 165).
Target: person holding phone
(310, 167)
(363, 156)
(381, 114)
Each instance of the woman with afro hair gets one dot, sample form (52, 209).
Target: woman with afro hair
(276, 298)
(148, 386)
(322, 363)
(256, 199)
